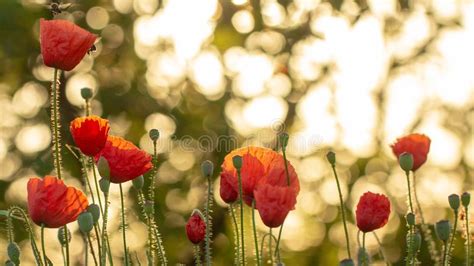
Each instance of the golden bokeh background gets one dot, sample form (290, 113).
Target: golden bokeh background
(212, 75)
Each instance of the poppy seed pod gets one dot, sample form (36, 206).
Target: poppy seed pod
(454, 201)
(14, 252)
(331, 156)
(406, 161)
(86, 222)
(443, 229)
(207, 168)
(138, 182)
(417, 241)
(154, 134)
(410, 219)
(94, 209)
(103, 168)
(104, 185)
(86, 93)
(237, 161)
(62, 236)
(346, 262)
(465, 199)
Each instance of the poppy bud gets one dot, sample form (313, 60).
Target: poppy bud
(406, 161)
(410, 219)
(103, 167)
(154, 134)
(14, 252)
(417, 241)
(346, 262)
(237, 161)
(207, 168)
(86, 93)
(138, 182)
(196, 227)
(149, 208)
(104, 185)
(94, 209)
(442, 230)
(86, 222)
(331, 156)
(362, 257)
(465, 199)
(62, 236)
(454, 201)
(284, 140)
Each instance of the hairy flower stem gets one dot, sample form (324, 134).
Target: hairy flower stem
(124, 235)
(104, 237)
(468, 238)
(410, 246)
(241, 202)
(66, 236)
(445, 253)
(43, 246)
(341, 202)
(450, 247)
(407, 173)
(88, 240)
(255, 233)
(55, 123)
(197, 255)
(236, 234)
(208, 222)
(425, 230)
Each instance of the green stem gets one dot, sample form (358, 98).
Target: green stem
(468, 238)
(445, 253)
(88, 107)
(197, 255)
(43, 246)
(270, 246)
(66, 236)
(24, 217)
(241, 201)
(364, 258)
(454, 233)
(236, 232)
(407, 173)
(105, 242)
(255, 233)
(97, 236)
(92, 249)
(341, 202)
(277, 247)
(86, 255)
(124, 235)
(91, 162)
(381, 251)
(288, 182)
(208, 222)
(55, 123)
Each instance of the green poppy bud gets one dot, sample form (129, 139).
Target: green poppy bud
(14, 252)
(154, 134)
(346, 262)
(362, 257)
(86, 93)
(62, 236)
(94, 209)
(406, 161)
(331, 156)
(454, 201)
(443, 229)
(104, 185)
(417, 241)
(86, 222)
(207, 168)
(284, 140)
(410, 219)
(103, 167)
(237, 161)
(465, 199)
(138, 182)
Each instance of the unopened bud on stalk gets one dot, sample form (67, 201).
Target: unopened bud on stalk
(14, 252)
(443, 229)
(454, 201)
(465, 199)
(346, 262)
(406, 161)
(94, 209)
(154, 134)
(237, 161)
(331, 156)
(86, 222)
(103, 168)
(417, 241)
(62, 236)
(138, 182)
(104, 185)
(207, 168)
(86, 93)
(410, 219)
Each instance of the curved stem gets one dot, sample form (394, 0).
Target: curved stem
(341, 202)
(468, 239)
(43, 246)
(454, 234)
(236, 232)
(124, 235)
(241, 217)
(97, 236)
(91, 248)
(91, 162)
(25, 219)
(380, 249)
(277, 248)
(208, 222)
(55, 123)
(255, 233)
(105, 240)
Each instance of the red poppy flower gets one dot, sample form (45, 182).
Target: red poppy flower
(52, 203)
(274, 203)
(63, 44)
(196, 228)
(417, 145)
(259, 165)
(372, 211)
(90, 133)
(126, 161)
